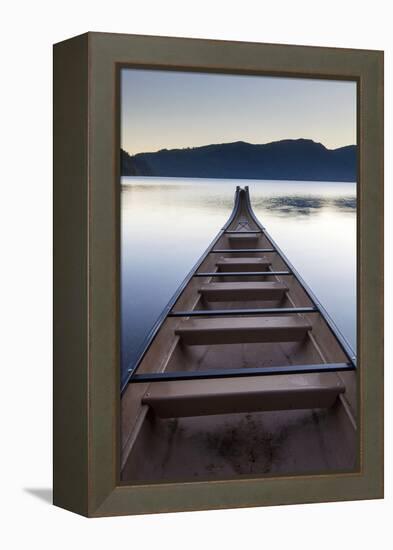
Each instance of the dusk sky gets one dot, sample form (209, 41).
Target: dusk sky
(170, 109)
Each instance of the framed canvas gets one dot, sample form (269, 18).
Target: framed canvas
(218, 274)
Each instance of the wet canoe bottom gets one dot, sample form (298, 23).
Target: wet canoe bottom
(226, 446)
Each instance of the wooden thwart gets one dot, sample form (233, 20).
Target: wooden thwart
(243, 238)
(217, 292)
(236, 330)
(251, 394)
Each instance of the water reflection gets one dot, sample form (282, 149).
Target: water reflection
(294, 206)
(305, 205)
(168, 223)
(347, 204)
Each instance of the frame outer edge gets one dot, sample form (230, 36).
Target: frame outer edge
(70, 268)
(371, 265)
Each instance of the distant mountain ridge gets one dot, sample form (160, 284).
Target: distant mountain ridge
(289, 159)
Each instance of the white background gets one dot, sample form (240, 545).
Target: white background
(28, 30)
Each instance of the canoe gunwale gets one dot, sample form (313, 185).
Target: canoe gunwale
(344, 344)
(164, 314)
(349, 365)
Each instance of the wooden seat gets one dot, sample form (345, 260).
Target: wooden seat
(236, 330)
(250, 394)
(243, 264)
(217, 292)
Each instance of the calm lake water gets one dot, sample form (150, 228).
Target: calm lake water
(168, 223)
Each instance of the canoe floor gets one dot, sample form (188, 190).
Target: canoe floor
(223, 446)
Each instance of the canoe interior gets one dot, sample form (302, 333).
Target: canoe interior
(223, 446)
(305, 434)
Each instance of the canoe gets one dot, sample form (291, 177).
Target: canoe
(244, 373)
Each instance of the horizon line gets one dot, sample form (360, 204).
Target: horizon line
(232, 142)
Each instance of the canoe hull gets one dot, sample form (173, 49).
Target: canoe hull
(219, 428)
